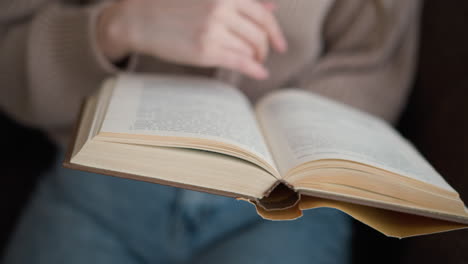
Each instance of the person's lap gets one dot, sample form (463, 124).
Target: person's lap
(78, 217)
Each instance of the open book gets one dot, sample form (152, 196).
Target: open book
(293, 151)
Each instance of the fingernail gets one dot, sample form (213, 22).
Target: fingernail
(270, 6)
(282, 46)
(263, 74)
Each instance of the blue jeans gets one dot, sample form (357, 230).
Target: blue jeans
(77, 217)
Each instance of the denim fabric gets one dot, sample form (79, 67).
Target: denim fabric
(77, 217)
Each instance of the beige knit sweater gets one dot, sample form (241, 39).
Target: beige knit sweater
(360, 52)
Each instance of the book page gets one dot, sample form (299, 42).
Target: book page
(184, 107)
(303, 127)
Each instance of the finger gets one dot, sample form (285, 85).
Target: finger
(271, 7)
(231, 59)
(231, 41)
(250, 33)
(260, 15)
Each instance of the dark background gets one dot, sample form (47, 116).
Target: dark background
(436, 121)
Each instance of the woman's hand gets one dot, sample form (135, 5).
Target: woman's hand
(234, 34)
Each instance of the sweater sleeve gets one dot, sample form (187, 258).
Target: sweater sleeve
(49, 61)
(369, 57)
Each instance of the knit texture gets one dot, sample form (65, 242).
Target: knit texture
(360, 52)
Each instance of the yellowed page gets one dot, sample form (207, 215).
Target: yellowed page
(302, 127)
(188, 107)
(173, 166)
(390, 223)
